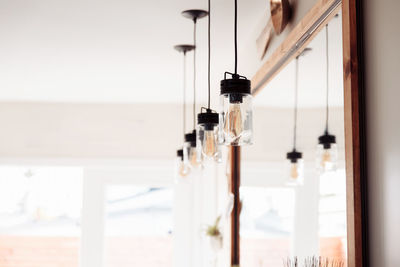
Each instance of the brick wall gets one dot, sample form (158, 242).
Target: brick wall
(18, 251)
(332, 247)
(264, 253)
(139, 251)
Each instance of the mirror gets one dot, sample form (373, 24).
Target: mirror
(307, 218)
(283, 218)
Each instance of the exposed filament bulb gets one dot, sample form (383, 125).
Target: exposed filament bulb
(326, 158)
(210, 144)
(183, 169)
(194, 161)
(294, 172)
(233, 124)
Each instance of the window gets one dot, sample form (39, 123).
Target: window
(40, 215)
(332, 214)
(266, 225)
(138, 226)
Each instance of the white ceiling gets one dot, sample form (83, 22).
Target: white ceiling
(121, 52)
(109, 51)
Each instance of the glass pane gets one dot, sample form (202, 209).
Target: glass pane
(332, 215)
(40, 216)
(266, 225)
(138, 226)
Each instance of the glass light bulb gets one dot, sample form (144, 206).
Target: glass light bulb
(236, 121)
(326, 158)
(194, 161)
(294, 172)
(183, 169)
(233, 124)
(209, 144)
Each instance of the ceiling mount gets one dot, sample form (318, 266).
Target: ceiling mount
(305, 51)
(184, 48)
(194, 14)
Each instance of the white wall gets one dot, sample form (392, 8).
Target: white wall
(89, 130)
(382, 55)
(139, 131)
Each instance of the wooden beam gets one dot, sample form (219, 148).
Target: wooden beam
(297, 40)
(235, 216)
(354, 134)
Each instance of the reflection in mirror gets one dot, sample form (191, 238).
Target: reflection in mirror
(280, 220)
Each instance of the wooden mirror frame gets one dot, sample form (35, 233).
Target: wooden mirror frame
(354, 109)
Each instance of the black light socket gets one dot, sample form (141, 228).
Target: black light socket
(294, 156)
(179, 153)
(235, 98)
(191, 138)
(208, 119)
(236, 87)
(327, 140)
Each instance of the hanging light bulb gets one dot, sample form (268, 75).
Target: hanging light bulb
(237, 117)
(327, 154)
(183, 167)
(195, 157)
(208, 135)
(294, 171)
(190, 148)
(296, 168)
(236, 114)
(296, 164)
(236, 105)
(208, 131)
(210, 146)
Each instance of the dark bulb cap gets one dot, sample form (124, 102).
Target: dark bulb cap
(208, 119)
(327, 140)
(191, 138)
(294, 156)
(238, 85)
(179, 153)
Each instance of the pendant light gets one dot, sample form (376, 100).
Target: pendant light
(182, 162)
(327, 148)
(208, 121)
(236, 104)
(295, 158)
(190, 138)
(182, 169)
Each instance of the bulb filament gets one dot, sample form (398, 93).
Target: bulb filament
(233, 123)
(210, 144)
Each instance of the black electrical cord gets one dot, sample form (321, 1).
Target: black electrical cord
(184, 94)
(209, 53)
(236, 56)
(295, 102)
(327, 79)
(194, 73)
